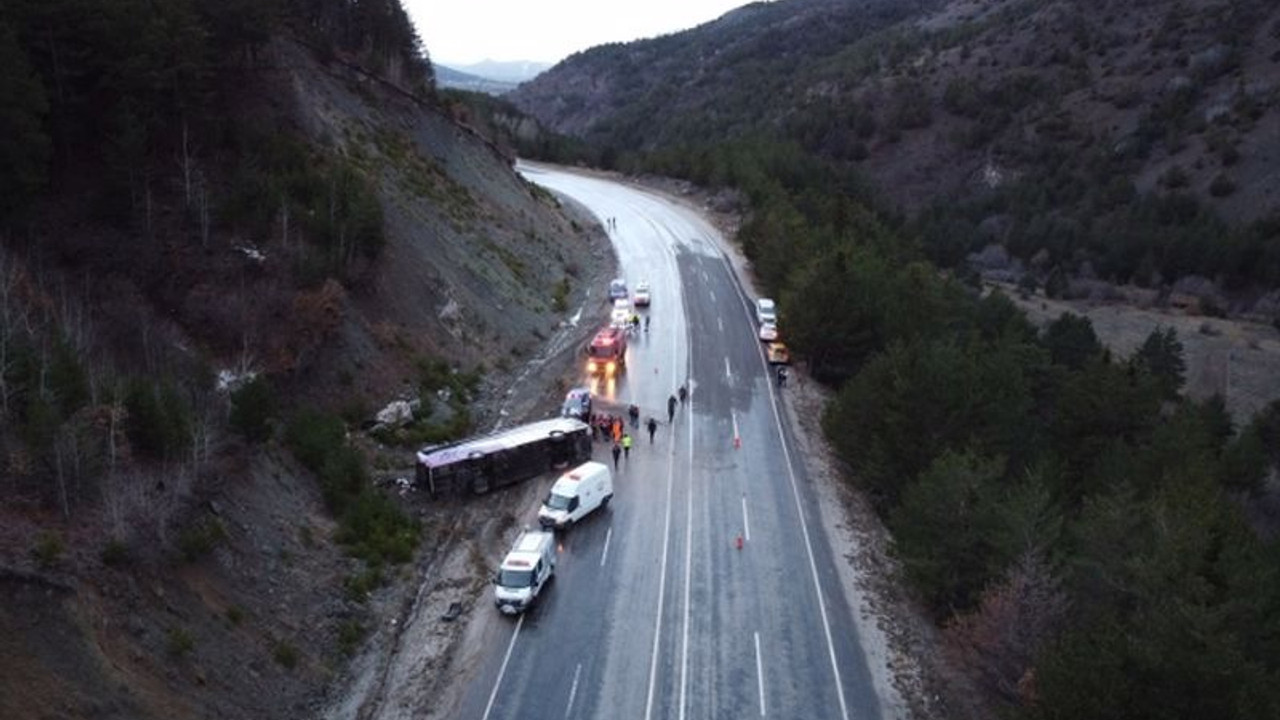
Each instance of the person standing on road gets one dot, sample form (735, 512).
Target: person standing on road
(684, 393)
(626, 446)
(671, 408)
(653, 428)
(646, 322)
(634, 413)
(617, 429)
(617, 453)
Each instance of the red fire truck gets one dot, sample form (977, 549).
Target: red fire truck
(607, 353)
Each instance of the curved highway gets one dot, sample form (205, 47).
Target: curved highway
(655, 611)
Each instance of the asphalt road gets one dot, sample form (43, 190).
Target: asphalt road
(655, 611)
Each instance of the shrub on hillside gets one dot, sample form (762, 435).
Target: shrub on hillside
(1222, 185)
(1174, 178)
(1161, 357)
(252, 407)
(371, 526)
(159, 420)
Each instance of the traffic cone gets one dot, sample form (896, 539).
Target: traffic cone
(738, 542)
(737, 442)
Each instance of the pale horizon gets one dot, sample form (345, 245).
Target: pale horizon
(548, 31)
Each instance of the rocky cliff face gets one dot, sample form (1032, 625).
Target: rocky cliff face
(212, 585)
(473, 253)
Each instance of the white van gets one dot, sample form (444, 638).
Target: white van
(766, 311)
(525, 571)
(576, 493)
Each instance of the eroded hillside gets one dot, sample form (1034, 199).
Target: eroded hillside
(232, 233)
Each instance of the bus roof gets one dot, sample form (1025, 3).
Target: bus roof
(440, 455)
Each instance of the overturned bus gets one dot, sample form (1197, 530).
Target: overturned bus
(480, 464)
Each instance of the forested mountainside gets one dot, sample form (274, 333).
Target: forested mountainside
(1131, 141)
(1088, 540)
(231, 229)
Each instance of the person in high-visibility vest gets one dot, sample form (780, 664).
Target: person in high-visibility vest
(626, 445)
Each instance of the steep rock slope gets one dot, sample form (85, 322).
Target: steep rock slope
(210, 582)
(473, 251)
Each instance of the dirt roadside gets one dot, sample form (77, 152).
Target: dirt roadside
(434, 626)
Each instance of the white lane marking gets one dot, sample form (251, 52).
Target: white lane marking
(804, 530)
(728, 371)
(720, 322)
(605, 555)
(573, 689)
(737, 439)
(662, 578)
(712, 293)
(503, 670)
(760, 674)
(688, 571)
(746, 525)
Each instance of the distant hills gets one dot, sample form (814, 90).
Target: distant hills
(1131, 141)
(491, 77)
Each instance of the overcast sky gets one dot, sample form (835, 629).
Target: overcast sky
(462, 32)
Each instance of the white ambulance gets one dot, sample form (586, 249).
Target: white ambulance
(575, 494)
(525, 571)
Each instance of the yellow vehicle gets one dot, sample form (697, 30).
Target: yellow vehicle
(778, 354)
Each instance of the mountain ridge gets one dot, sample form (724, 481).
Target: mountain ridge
(967, 115)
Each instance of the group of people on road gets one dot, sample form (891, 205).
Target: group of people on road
(610, 428)
(633, 323)
(605, 427)
(611, 223)
(683, 392)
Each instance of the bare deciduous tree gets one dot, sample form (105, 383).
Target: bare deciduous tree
(187, 164)
(998, 642)
(202, 199)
